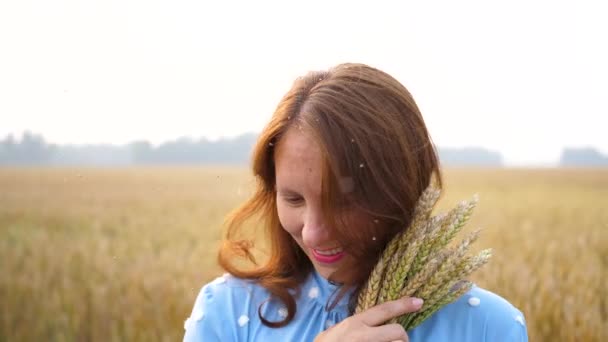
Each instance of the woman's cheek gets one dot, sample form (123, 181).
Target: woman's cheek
(289, 219)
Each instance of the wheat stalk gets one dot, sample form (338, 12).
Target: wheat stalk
(416, 262)
(389, 261)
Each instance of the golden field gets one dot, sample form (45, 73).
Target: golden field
(120, 254)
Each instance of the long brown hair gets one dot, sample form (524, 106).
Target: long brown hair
(378, 157)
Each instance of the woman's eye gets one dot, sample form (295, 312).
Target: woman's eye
(294, 200)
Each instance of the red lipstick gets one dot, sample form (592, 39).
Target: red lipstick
(327, 259)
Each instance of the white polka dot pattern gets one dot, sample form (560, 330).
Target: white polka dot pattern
(313, 292)
(474, 301)
(243, 320)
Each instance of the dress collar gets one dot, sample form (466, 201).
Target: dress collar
(323, 291)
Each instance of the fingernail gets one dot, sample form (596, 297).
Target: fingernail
(417, 302)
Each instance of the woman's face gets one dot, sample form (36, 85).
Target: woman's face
(298, 164)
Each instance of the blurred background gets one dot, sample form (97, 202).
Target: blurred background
(126, 129)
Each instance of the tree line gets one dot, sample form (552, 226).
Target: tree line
(32, 149)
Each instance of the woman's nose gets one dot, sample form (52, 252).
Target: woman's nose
(314, 232)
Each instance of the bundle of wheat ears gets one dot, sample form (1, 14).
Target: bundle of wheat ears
(418, 263)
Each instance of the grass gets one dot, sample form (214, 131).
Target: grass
(120, 254)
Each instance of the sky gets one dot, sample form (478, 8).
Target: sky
(525, 78)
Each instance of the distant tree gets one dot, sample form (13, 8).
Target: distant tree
(582, 157)
(30, 150)
(141, 152)
(470, 156)
(8, 147)
(92, 155)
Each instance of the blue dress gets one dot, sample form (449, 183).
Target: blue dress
(226, 309)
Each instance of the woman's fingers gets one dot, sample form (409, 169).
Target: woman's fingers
(369, 325)
(388, 333)
(385, 311)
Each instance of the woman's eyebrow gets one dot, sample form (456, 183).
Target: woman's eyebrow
(287, 191)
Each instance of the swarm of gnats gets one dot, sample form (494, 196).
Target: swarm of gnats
(419, 263)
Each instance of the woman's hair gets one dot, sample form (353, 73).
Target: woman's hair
(378, 158)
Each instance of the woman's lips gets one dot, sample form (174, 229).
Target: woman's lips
(328, 256)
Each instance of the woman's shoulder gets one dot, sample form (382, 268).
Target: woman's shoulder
(478, 315)
(227, 291)
(228, 286)
(231, 309)
(222, 307)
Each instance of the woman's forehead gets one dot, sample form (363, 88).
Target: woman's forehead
(298, 144)
(298, 162)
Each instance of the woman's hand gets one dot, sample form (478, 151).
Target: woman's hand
(367, 325)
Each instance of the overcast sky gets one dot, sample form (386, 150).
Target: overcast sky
(526, 78)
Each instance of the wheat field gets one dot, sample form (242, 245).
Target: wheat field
(120, 254)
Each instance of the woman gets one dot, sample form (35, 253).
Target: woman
(339, 167)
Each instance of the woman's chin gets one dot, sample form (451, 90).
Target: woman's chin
(326, 270)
